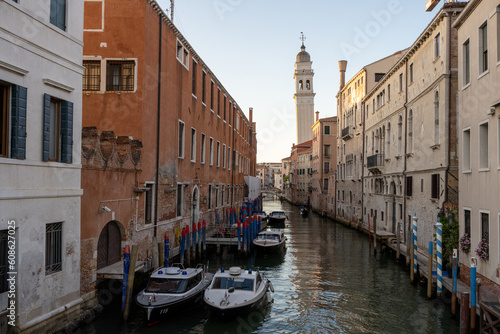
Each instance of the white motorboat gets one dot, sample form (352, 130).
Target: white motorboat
(270, 242)
(172, 289)
(236, 292)
(262, 215)
(277, 218)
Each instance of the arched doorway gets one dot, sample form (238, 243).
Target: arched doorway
(109, 245)
(195, 205)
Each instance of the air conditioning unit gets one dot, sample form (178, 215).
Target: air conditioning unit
(490, 111)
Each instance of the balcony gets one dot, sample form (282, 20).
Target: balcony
(375, 162)
(347, 133)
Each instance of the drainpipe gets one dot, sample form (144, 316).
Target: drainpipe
(448, 111)
(233, 163)
(363, 154)
(404, 165)
(158, 131)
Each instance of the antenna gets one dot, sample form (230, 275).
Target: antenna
(302, 37)
(172, 10)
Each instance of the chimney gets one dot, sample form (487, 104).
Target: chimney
(317, 116)
(250, 114)
(342, 68)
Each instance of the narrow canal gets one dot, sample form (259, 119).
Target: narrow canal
(328, 281)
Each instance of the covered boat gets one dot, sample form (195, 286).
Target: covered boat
(236, 292)
(172, 289)
(270, 242)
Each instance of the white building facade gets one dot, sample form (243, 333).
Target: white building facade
(40, 90)
(304, 95)
(479, 134)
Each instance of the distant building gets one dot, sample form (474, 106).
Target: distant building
(479, 135)
(323, 164)
(41, 45)
(266, 172)
(164, 143)
(351, 123)
(304, 94)
(286, 171)
(301, 181)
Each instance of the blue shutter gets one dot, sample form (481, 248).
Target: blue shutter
(18, 122)
(66, 132)
(46, 127)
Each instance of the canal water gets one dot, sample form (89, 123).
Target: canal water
(328, 281)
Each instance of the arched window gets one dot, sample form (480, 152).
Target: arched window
(388, 149)
(373, 143)
(382, 140)
(300, 84)
(436, 118)
(410, 131)
(308, 85)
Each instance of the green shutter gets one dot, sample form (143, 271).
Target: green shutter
(18, 122)
(46, 127)
(67, 132)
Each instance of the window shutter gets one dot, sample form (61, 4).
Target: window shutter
(435, 186)
(46, 127)
(67, 132)
(18, 121)
(409, 185)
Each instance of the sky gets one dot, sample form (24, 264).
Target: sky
(251, 46)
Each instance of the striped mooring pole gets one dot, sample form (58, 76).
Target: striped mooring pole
(414, 224)
(473, 298)
(439, 246)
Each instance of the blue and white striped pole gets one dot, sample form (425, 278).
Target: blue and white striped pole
(439, 232)
(473, 262)
(414, 224)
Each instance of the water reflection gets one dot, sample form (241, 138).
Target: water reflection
(328, 281)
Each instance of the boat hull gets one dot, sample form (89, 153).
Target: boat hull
(230, 313)
(276, 222)
(270, 249)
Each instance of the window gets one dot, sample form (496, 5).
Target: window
(181, 140)
(91, 75)
(223, 155)
(53, 248)
(120, 75)
(202, 149)
(211, 151)
(401, 82)
(182, 54)
(326, 166)
(148, 205)
(485, 226)
(327, 150)
(467, 221)
(229, 159)
(13, 102)
(209, 196)
(483, 146)
(409, 185)
(388, 92)
(193, 145)
(388, 149)
(400, 134)
(203, 88)
(436, 118)
(437, 45)
(218, 102)
(411, 72)
(218, 154)
(466, 62)
(325, 184)
(57, 130)
(379, 76)
(300, 85)
(212, 95)
(435, 186)
(327, 129)
(4, 257)
(180, 190)
(466, 150)
(410, 131)
(58, 13)
(194, 78)
(483, 48)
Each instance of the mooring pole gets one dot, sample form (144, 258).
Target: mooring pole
(454, 292)
(375, 233)
(415, 240)
(167, 250)
(130, 282)
(412, 250)
(126, 265)
(473, 285)
(439, 243)
(398, 251)
(429, 272)
(464, 313)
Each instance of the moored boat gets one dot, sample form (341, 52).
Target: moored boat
(277, 218)
(172, 289)
(304, 211)
(236, 292)
(262, 215)
(270, 242)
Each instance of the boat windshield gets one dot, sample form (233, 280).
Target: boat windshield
(166, 285)
(245, 284)
(274, 237)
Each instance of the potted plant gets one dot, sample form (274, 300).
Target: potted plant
(450, 237)
(483, 249)
(465, 243)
